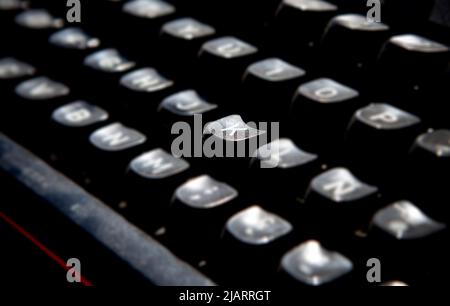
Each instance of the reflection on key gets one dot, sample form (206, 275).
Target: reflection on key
(283, 153)
(79, 114)
(108, 60)
(405, 221)
(418, 43)
(146, 80)
(386, 117)
(205, 192)
(9, 5)
(38, 19)
(275, 70)
(188, 28)
(231, 128)
(256, 226)
(74, 38)
(229, 47)
(327, 91)
(116, 137)
(148, 8)
(186, 103)
(41, 88)
(158, 164)
(314, 265)
(436, 142)
(339, 185)
(11, 68)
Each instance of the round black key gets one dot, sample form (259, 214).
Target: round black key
(198, 212)
(340, 200)
(150, 183)
(34, 101)
(254, 238)
(70, 43)
(426, 170)
(140, 24)
(408, 243)
(294, 15)
(74, 39)
(110, 149)
(12, 72)
(10, 8)
(39, 96)
(320, 113)
(310, 264)
(393, 12)
(73, 123)
(183, 116)
(412, 60)
(222, 64)
(140, 93)
(228, 144)
(352, 42)
(273, 167)
(268, 86)
(34, 27)
(378, 140)
(180, 40)
(102, 72)
(182, 107)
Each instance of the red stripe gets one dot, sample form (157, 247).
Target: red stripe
(41, 246)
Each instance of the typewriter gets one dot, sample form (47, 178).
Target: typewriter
(240, 143)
